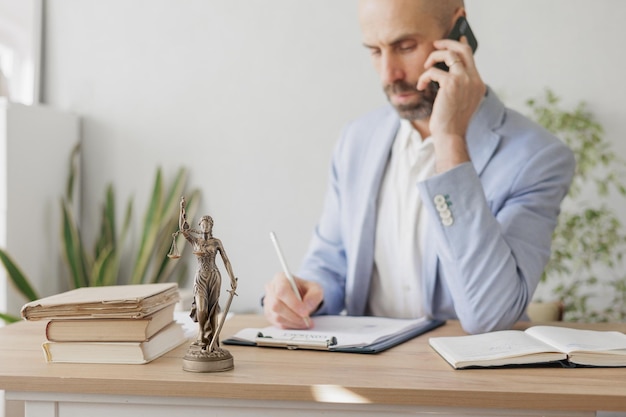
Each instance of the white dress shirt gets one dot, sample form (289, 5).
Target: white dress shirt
(396, 286)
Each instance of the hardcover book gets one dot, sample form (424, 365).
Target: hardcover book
(121, 301)
(109, 330)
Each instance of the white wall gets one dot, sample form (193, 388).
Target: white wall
(30, 227)
(251, 96)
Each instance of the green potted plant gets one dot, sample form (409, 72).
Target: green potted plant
(99, 264)
(589, 242)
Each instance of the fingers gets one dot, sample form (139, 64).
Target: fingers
(457, 55)
(279, 315)
(461, 48)
(283, 308)
(313, 296)
(450, 58)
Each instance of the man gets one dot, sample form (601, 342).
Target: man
(442, 204)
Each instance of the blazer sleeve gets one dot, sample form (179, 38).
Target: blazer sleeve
(493, 233)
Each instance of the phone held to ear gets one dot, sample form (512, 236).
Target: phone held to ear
(461, 28)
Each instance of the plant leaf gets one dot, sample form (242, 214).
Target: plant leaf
(150, 229)
(17, 277)
(126, 223)
(107, 240)
(74, 252)
(74, 164)
(105, 269)
(9, 318)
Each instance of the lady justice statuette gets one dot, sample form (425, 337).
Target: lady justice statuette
(205, 354)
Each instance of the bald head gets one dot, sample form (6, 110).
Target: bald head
(442, 11)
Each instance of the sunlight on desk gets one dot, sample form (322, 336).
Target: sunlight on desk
(336, 394)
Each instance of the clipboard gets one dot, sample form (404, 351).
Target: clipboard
(329, 344)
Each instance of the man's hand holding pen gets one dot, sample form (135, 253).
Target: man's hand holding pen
(283, 308)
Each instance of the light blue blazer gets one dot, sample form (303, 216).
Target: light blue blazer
(491, 220)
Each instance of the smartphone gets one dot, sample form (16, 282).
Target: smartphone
(461, 28)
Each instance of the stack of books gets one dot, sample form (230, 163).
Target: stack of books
(120, 324)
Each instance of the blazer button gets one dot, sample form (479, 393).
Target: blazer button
(440, 199)
(445, 214)
(448, 221)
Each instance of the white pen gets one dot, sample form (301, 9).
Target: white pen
(290, 278)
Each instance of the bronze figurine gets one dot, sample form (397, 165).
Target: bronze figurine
(205, 354)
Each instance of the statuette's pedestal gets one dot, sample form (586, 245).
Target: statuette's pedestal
(199, 360)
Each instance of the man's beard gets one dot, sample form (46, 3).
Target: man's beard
(422, 109)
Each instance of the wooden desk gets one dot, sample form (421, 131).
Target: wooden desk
(407, 379)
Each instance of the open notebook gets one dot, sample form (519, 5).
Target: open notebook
(538, 345)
